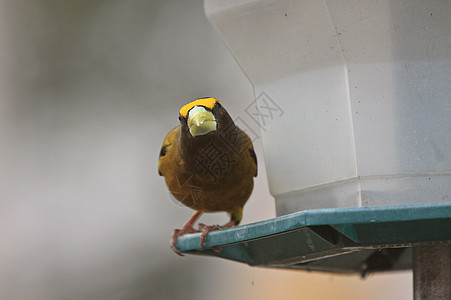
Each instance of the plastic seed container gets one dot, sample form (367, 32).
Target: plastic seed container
(354, 97)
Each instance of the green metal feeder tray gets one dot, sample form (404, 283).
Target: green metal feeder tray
(342, 240)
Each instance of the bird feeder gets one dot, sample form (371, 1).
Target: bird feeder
(354, 107)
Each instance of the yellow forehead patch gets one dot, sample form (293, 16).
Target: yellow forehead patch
(207, 102)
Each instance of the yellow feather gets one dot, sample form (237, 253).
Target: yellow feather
(206, 102)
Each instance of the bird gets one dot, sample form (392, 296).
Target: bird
(208, 164)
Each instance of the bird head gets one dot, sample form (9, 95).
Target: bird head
(202, 116)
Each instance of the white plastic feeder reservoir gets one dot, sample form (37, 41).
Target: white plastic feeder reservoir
(354, 97)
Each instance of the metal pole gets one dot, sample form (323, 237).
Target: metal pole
(432, 272)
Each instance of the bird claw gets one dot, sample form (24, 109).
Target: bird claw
(179, 232)
(205, 230)
(175, 235)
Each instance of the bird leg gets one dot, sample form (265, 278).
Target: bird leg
(207, 228)
(186, 228)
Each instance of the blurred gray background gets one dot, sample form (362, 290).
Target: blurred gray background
(88, 90)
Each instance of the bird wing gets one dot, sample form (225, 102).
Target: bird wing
(247, 142)
(254, 158)
(169, 154)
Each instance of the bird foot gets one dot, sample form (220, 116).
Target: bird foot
(179, 232)
(207, 228)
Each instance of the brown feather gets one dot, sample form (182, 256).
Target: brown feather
(210, 173)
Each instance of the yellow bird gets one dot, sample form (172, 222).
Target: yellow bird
(208, 164)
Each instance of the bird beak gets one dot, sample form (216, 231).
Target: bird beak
(200, 121)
